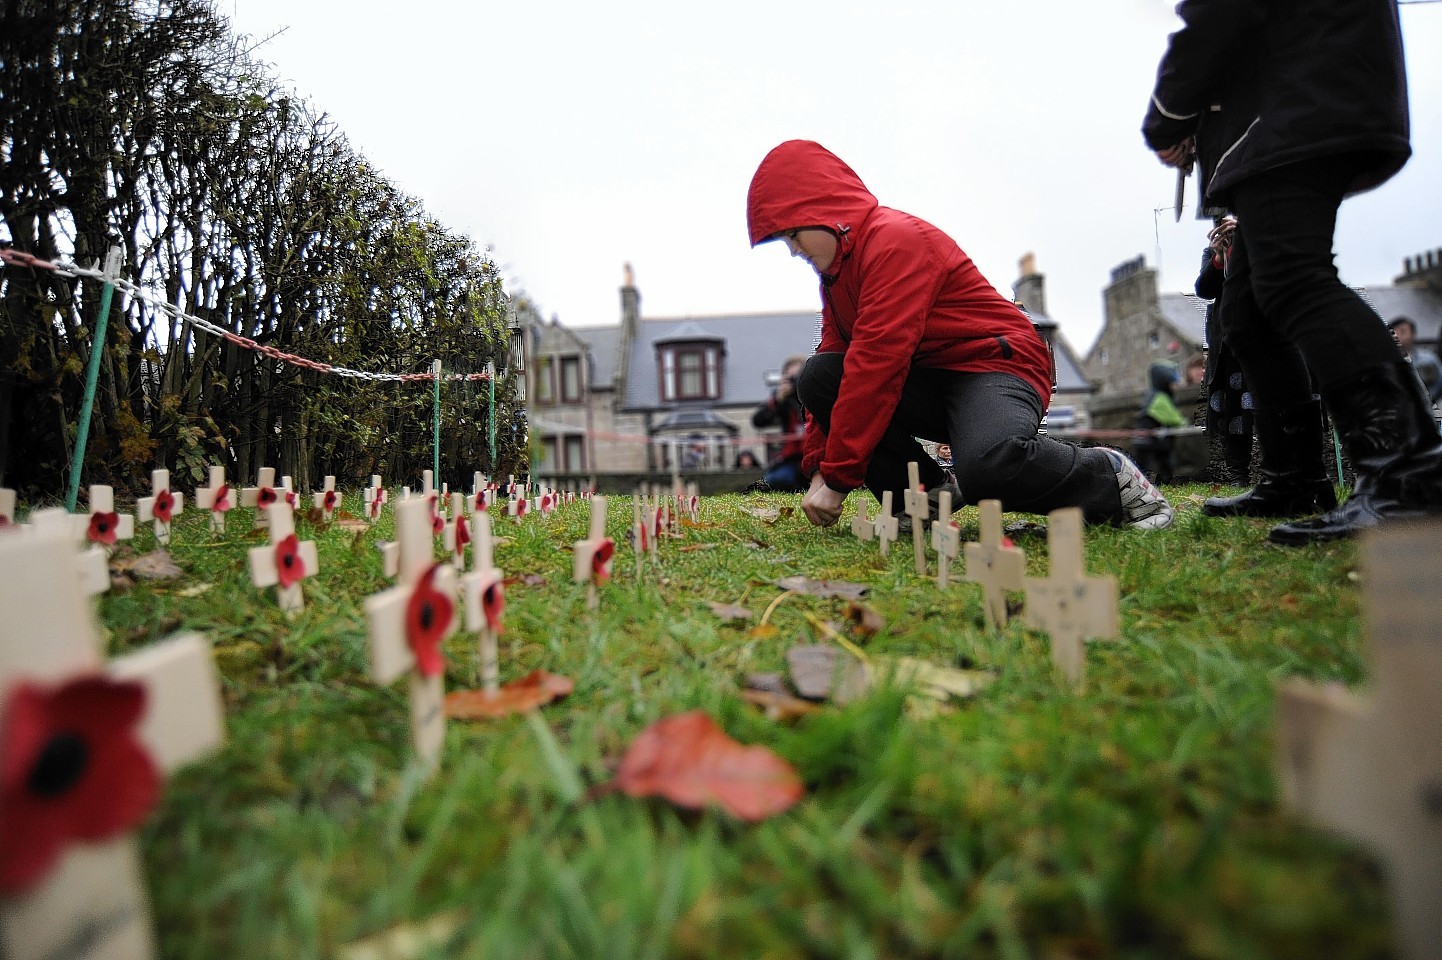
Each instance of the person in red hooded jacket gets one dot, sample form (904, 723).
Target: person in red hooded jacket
(916, 343)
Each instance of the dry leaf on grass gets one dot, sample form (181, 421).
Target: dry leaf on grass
(534, 690)
(763, 631)
(526, 579)
(764, 513)
(155, 565)
(930, 680)
(781, 514)
(729, 611)
(692, 762)
(865, 622)
(353, 525)
(768, 682)
(823, 588)
(777, 706)
(816, 669)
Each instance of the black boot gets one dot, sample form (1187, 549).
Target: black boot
(1292, 480)
(1385, 424)
(1237, 455)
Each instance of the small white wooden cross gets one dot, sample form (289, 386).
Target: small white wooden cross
(640, 531)
(1070, 605)
(327, 499)
(216, 498)
(106, 525)
(546, 502)
(91, 565)
(288, 494)
(375, 497)
(161, 506)
(592, 557)
(458, 532)
(260, 496)
(1371, 766)
(518, 507)
(480, 492)
(71, 894)
(994, 565)
(862, 526)
(285, 561)
(408, 624)
(885, 524)
(919, 510)
(945, 538)
(484, 590)
(7, 508)
(693, 501)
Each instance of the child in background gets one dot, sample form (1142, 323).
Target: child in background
(1159, 412)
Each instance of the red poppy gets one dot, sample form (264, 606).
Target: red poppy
(645, 544)
(493, 603)
(375, 507)
(601, 560)
(428, 617)
(222, 499)
(71, 768)
(289, 568)
(5, 521)
(292, 499)
(328, 501)
(438, 525)
(102, 528)
(523, 507)
(463, 533)
(163, 507)
(480, 501)
(265, 498)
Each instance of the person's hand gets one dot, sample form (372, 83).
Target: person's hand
(822, 505)
(1180, 154)
(1221, 236)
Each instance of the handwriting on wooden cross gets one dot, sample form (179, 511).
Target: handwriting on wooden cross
(71, 878)
(285, 561)
(484, 590)
(885, 524)
(458, 532)
(994, 565)
(919, 510)
(1068, 604)
(106, 525)
(216, 498)
(862, 526)
(375, 497)
(1371, 766)
(945, 538)
(408, 624)
(592, 557)
(261, 496)
(327, 499)
(161, 506)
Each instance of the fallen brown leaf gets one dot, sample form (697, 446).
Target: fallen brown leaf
(865, 622)
(526, 579)
(352, 524)
(155, 565)
(692, 762)
(780, 707)
(763, 631)
(814, 669)
(781, 514)
(824, 588)
(534, 690)
(729, 611)
(765, 513)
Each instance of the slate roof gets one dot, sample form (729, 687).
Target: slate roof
(1069, 375)
(1422, 304)
(603, 343)
(1187, 313)
(756, 345)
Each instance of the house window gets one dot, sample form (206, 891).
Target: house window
(570, 379)
(549, 450)
(545, 384)
(575, 453)
(690, 372)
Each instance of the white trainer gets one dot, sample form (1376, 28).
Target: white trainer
(1143, 506)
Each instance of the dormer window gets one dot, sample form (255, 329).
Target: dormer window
(689, 370)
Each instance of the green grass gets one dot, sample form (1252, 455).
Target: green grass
(1135, 817)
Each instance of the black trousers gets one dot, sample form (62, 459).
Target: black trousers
(990, 420)
(1285, 311)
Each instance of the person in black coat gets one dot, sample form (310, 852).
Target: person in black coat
(1288, 107)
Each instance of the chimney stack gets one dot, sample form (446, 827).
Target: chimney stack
(1030, 288)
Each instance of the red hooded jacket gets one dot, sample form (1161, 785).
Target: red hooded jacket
(899, 294)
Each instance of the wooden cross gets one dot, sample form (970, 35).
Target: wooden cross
(261, 496)
(518, 507)
(862, 526)
(458, 532)
(327, 499)
(480, 492)
(1371, 767)
(375, 497)
(408, 624)
(592, 557)
(919, 510)
(994, 565)
(161, 506)
(216, 498)
(945, 538)
(285, 561)
(91, 566)
(7, 508)
(484, 590)
(640, 532)
(1070, 605)
(885, 524)
(288, 494)
(106, 525)
(74, 895)
(693, 501)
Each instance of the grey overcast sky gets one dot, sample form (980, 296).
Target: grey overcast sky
(571, 137)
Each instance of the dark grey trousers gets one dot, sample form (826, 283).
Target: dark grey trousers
(990, 420)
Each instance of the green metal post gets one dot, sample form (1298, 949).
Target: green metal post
(491, 369)
(92, 377)
(436, 465)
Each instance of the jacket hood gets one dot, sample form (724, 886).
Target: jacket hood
(1163, 373)
(802, 184)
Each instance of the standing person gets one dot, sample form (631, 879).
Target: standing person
(1229, 405)
(915, 342)
(1290, 107)
(1424, 361)
(783, 409)
(1159, 412)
